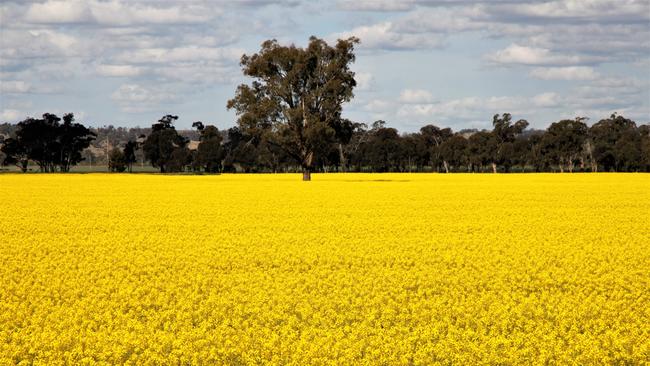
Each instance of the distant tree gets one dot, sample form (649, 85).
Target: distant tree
(239, 150)
(454, 152)
(161, 145)
(210, 153)
(344, 130)
(180, 158)
(564, 141)
(520, 152)
(644, 132)
(129, 154)
(38, 138)
(73, 138)
(15, 154)
(434, 137)
(49, 143)
(383, 148)
(116, 161)
(617, 143)
(481, 149)
(504, 133)
(354, 148)
(645, 147)
(296, 98)
(409, 145)
(198, 125)
(3, 156)
(535, 155)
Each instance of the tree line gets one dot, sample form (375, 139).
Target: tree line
(52, 142)
(289, 119)
(611, 144)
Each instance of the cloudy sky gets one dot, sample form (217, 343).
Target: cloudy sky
(449, 62)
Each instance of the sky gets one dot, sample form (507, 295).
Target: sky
(451, 63)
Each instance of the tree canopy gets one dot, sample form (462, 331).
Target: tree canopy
(48, 142)
(164, 147)
(296, 97)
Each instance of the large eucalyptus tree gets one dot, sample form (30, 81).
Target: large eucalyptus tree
(296, 97)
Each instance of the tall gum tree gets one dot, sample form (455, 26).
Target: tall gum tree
(504, 134)
(564, 141)
(296, 97)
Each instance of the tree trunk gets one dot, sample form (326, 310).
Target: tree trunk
(342, 158)
(444, 162)
(306, 174)
(594, 166)
(494, 167)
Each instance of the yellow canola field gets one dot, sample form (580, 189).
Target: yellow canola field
(393, 269)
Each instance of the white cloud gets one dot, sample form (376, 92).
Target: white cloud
(21, 46)
(415, 96)
(579, 9)
(137, 98)
(616, 93)
(117, 12)
(463, 107)
(191, 46)
(199, 73)
(547, 100)
(378, 106)
(476, 111)
(376, 5)
(364, 81)
(118, 70)
(70, 11)
(180, 54)
(441, 20)
(516, 54)
(564, 32)
(620, 82)
(384, 36)
(14, 87)
(10, 115)
(564, 73)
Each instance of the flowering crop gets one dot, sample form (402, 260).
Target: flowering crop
(347, 269)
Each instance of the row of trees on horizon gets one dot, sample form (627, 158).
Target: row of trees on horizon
(612, 144)
(289, 119)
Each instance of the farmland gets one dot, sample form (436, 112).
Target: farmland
(346, 269)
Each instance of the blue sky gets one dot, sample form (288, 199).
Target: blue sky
(450, 63)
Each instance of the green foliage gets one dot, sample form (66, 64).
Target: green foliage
(164, 147)
(210, 153)
(48, 142)
(296, 97)
(564, 141)
(116, 161)
(129, 154)
(617, 144)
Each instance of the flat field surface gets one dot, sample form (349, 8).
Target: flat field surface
(392, 269)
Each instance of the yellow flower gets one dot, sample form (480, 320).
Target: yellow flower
(366, 269)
